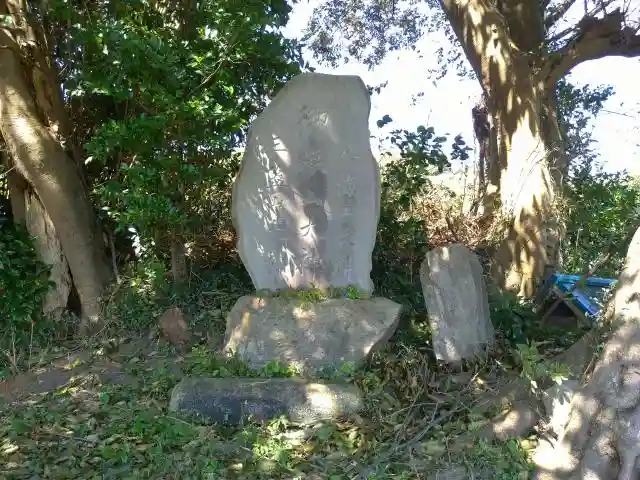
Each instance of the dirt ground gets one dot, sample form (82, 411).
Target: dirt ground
(104, 368)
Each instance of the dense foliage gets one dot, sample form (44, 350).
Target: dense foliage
(602, 209)
(160, 98)
(167, 95)
(577, 108)
(24, 283)
(402, 238)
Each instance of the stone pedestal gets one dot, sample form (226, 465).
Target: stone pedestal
(310, 336)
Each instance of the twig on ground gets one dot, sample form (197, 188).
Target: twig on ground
(364, 475)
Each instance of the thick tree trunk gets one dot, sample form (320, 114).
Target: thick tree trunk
(55, 178)
(526, 187)
(601, 439)
(26, 209)
(521, 186)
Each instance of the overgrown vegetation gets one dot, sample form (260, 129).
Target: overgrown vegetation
(86, 428)
(158, 99)
(24, 283)
(92, 425)
(615, 200)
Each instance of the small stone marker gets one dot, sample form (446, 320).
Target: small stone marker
(311, 336)
(455, 294)
(236, 400)
(306, 201)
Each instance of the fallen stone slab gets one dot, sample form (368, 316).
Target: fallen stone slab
(237, 400)
(309, 336)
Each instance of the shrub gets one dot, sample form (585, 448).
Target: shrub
(601, 209)
(402, 237)
(24, 283)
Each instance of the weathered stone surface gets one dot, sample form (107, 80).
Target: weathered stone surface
(455, 294)
(237, 400)
(306, 201)
(311, 336)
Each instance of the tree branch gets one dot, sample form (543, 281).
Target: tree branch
(600, 8)
(555, 15)
(476, 23)
(595, 38)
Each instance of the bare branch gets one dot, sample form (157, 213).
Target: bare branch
(595, 38)
(599, 9)
(557, 14)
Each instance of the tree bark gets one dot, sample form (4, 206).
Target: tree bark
(528, 181)
(499, 48)
(602, 436)
(27, 210)
(17, 187)
(49, 250)
(54, 176)
(505, 43)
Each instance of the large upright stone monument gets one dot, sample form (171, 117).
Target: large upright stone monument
(306, 204)
(307, 199)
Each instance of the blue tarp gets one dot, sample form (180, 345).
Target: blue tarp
(587, 298)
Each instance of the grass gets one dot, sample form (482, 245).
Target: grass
(90, 429)
(418, 420)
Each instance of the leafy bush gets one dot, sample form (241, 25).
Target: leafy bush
(402, 238)
(602, 207)
(24, 283)
(178, 102)
(513, 318)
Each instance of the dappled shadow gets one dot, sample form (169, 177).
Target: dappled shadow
(524, 255)
(306, 200)
(77, 368)
(525, 145)
(311, 336)
(116, 431)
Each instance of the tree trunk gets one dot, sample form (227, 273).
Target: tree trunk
(26, 209)
(602, 437)
(520, 182)
(53, 175)
(47, 245)
(17, 186)
(527, 189)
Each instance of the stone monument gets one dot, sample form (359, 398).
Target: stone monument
(306, 205)
(307, 199)
(457, 303)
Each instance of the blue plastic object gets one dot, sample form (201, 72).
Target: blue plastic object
(587, 298)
